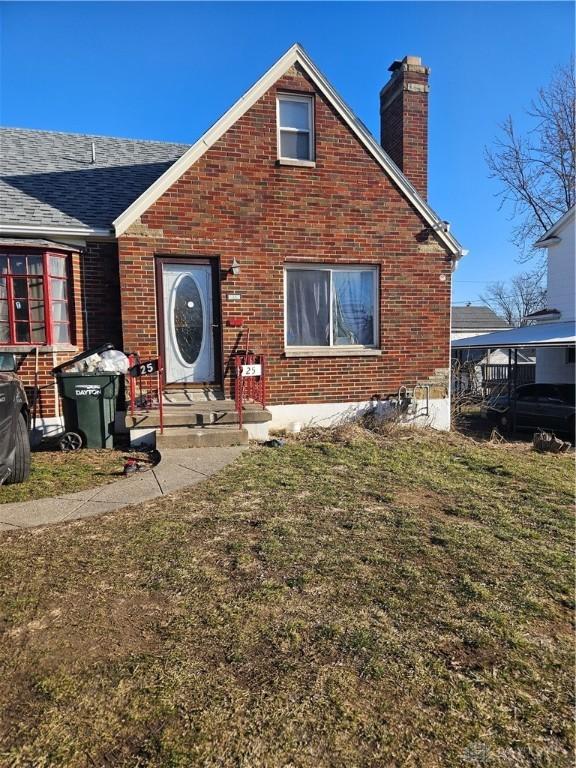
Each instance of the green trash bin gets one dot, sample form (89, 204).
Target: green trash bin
(89, 405)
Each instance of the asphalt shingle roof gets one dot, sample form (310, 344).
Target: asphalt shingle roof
(48, 179)
(476, 318)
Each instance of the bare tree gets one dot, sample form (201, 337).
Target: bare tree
(537, 171)
(514, 300)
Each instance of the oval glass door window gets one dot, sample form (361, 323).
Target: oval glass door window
(188, 319)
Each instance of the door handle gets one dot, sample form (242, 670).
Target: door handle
(215, 325)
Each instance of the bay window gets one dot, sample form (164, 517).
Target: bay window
(331, 306)
(34, 299)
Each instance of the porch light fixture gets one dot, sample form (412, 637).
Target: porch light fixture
(234, 267)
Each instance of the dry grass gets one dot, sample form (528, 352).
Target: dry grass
(54, 473)
(346, 601)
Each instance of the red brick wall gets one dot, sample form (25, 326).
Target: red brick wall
(237, 202)
(76, 314)
(101, 282)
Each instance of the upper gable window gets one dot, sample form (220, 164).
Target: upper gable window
(295, 127)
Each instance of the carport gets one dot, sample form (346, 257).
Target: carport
(537, 336)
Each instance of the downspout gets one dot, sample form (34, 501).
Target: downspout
(456, 258)
(450, 356)
(454, 266)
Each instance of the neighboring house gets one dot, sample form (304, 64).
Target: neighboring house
(556, 365)
(551, 332)
(470, 321)
(286, 217)
(483, 369)
(474, 320)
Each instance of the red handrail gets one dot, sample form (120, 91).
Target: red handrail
(146, 387)
(249, 387)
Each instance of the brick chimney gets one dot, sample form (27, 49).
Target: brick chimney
(404, 119)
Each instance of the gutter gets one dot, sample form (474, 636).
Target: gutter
(457, 256)
(27, 229)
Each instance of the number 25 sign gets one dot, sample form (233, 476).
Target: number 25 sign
(144, 368)
(251, 370)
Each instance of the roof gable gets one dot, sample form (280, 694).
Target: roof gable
(552, 236)
(295, 55)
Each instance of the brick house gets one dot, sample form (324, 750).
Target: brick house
(286, 219)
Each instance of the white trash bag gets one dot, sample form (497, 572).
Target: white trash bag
(110, 361)
(113, 361)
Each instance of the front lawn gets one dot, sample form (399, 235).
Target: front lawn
(404, 601)
(54, 473)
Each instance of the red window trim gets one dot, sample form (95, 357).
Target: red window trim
(49, 301)
(46, 277)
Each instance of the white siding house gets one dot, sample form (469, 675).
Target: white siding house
(556, 364)
(551, 332)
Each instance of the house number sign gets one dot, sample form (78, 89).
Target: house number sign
(144, 368)
(251, 370)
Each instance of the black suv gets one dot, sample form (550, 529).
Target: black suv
(538, 406)
(14, 416)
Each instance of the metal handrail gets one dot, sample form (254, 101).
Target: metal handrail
(247, 386)
(145, 387)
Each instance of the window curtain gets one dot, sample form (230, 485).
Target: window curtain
(353, 307)
(308, 308)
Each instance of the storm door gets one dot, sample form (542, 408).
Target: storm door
(188, 323)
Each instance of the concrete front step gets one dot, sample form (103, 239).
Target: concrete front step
(193, 396)
(197, 415)
(199, 437)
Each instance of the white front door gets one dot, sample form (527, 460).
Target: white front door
(188, 319)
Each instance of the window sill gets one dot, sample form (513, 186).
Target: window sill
(23, 348)
(296, 163)
(332, 352)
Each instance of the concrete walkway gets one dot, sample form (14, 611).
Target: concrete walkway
(179, 468)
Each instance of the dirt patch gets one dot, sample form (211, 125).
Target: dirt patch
(419, 500)
(459, 655)
(118, 624)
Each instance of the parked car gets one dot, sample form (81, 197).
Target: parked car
(538, 406)
(14, 417)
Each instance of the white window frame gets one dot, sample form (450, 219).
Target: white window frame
(309, 100)
(331, 348)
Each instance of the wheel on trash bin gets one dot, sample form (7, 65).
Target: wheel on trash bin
(70, 441)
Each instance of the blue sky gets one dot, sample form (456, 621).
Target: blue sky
(168, 70)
